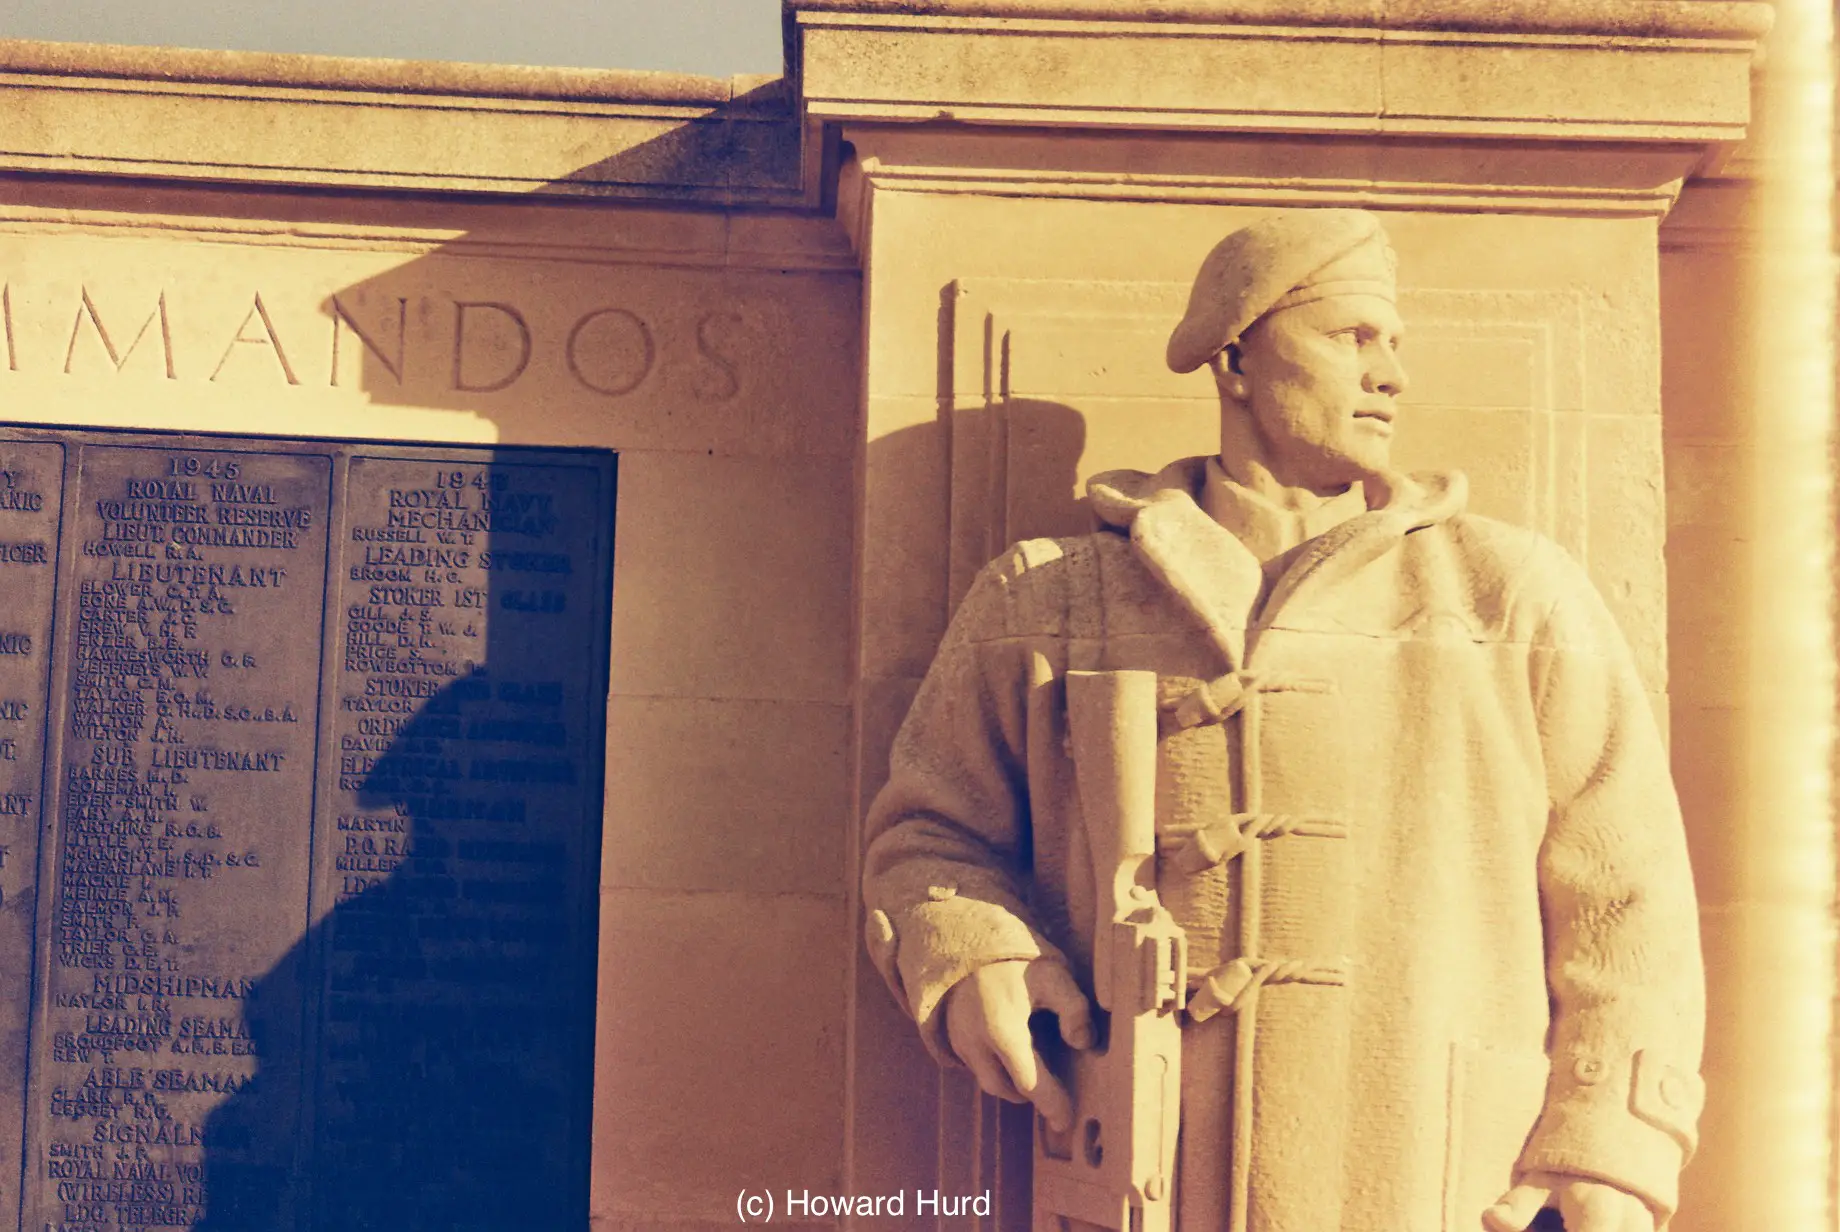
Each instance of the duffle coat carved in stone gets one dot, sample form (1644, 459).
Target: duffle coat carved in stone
(1413, 811)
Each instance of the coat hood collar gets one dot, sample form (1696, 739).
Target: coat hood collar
(1423, 499)
(1219, 579)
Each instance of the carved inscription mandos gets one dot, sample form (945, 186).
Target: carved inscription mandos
(477, 347)
(299, 831)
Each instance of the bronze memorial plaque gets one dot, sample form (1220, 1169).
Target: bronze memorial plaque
(300, 800)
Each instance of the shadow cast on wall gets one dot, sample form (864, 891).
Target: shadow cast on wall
(425, 1049)
(746, 150)
(1044, 446)
(448, 993)
(946, 497)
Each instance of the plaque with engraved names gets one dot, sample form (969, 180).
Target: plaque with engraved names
(31, 499)
(300, 782)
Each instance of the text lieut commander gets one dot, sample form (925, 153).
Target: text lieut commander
(1470, 985)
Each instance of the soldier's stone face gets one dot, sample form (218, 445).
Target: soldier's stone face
(1322, 380)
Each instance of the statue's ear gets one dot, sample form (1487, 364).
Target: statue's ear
(1227, 377)
(1228, 359)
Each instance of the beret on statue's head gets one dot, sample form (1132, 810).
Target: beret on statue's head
(1280, 261)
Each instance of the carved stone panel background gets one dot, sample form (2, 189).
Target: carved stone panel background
(1055, 381)
(321, 771)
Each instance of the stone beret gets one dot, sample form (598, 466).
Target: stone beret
(1267, 265)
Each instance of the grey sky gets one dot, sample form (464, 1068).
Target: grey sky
(716, 37)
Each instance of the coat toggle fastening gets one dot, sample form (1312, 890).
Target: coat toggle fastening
(1200, 846)
(1230, 985)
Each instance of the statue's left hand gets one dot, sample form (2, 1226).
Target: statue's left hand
(1585, 1204)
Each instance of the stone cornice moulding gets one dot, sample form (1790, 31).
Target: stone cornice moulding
(1715, 19)
(396, 125)
(1578, 200)
(1430, 175)
(1674, 71)
(181, 65)
(797, 251)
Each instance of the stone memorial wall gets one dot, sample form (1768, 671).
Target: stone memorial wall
(354, 875)
(312, 736)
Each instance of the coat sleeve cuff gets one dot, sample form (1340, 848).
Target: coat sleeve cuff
(923, 950)
(1631, 1124)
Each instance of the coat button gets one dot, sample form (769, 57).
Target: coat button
(1588, 1070)
(1673, 1090)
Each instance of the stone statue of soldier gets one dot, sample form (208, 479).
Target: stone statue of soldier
(1412, 807)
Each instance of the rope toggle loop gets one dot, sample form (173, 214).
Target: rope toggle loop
(1231, 985)
(1202, 845)
(1213, 701)
(1196, 847)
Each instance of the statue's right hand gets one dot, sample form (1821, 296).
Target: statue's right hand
(987, 1024)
